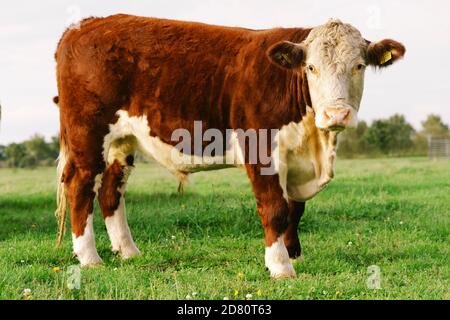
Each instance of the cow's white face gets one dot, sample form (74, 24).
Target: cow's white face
(334, 58)
(335, 65)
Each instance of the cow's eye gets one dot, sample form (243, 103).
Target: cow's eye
(311, 68)
(360, 66)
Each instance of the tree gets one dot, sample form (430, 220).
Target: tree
(2, 153)
(389, 136)
(38, 148)
(15, 153)
(433, 126)
(54, 146)
(34, 152)
(351, 142)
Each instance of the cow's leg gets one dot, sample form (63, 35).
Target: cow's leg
(296, 210)
(80, 187)
(112, 204)
(274, 212)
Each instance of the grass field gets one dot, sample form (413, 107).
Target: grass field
(209, 244)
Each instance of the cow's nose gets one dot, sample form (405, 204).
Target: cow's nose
(337, 118)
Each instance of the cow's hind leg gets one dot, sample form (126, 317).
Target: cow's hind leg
(112, 201)
(80, 184)
(296, 210)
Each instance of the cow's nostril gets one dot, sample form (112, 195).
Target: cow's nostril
(346, 114)
(329, 115)
(336, 115)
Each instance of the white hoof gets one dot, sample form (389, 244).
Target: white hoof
(129, 252)
(89, 259)
(282, 271)
(278, 262)
(84, 246)
(120, 235)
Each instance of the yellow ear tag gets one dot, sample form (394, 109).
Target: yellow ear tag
(286, 57)
(387, 56)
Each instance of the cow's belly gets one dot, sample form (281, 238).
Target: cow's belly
(176, 161)
(134, 132)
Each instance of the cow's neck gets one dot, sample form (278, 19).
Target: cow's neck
(271, 96)
(307, 157)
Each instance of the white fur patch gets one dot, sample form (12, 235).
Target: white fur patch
(278, 262)
(84, 246)
(166, 154)
(305, 158)
(120, 234)
(98, 183)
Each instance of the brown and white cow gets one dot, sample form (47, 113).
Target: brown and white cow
(127, 83)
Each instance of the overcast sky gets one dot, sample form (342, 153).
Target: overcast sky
(415, 87)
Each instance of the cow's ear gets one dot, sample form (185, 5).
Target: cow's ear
(287, 55)
(385, 52)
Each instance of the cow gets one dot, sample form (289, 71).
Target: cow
(127, 84)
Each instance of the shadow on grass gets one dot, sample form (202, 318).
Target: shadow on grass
(155, 215)
(150, 215)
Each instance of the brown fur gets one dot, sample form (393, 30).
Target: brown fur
(376, 51)
(272, 207)
(296, 210)
(174, 73)
(109, 194)
(81, 198)
(286, 54)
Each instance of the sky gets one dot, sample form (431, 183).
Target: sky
(417, 86)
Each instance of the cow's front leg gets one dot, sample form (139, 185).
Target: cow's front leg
(296, 210)
(274, 212)
(274, 216)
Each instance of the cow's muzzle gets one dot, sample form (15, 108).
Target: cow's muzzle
(336, 118)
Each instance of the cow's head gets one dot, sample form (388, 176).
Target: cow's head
(334, 57)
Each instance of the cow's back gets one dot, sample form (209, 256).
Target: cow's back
(171, 71)
(140, 49)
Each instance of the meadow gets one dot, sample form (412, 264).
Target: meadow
(209, 244)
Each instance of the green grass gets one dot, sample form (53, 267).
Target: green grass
(393, 213)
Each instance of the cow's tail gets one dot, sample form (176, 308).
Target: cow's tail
(183, 178)
(61, 199)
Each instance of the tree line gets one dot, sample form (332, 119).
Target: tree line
(385, 137)
(393, 137)
(35, 152)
